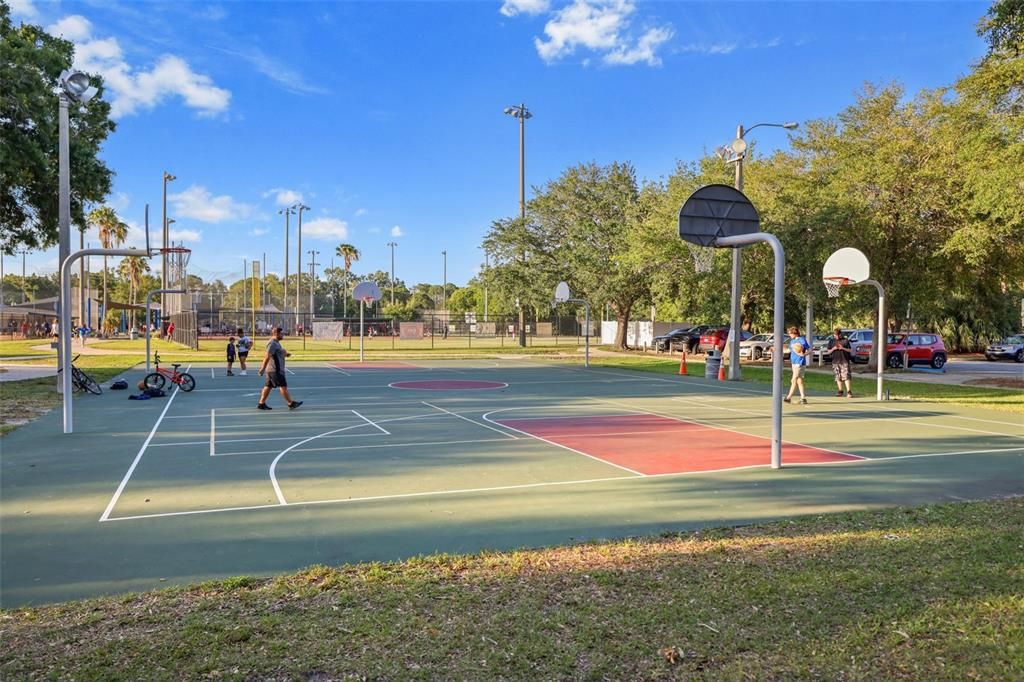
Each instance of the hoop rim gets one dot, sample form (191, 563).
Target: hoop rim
(838, 279)
(173, 249)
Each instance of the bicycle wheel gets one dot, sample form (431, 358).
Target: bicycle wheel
(86, 382)
(154, 380)
(187, 383)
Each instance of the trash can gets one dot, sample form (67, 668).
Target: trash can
(712, 363)
(133, 335)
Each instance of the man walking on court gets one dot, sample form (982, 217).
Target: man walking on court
(839, 349)
(799, 351)
(276, 375)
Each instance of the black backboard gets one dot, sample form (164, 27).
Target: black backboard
(715, 211)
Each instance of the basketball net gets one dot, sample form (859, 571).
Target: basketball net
(703, 258)
(833, 285)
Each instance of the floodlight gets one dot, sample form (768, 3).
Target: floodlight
(738, 146)
(76, 85)
(791, 126)
(510, 111)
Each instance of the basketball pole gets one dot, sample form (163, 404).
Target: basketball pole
(780, 275)
(884, 347)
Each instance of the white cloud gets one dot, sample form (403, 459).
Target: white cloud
(284, 197)
(601, 26)
(283, 75)
(326, 229)
(713, 48)
(258, 231)
(360, 212)
(23, 9)
(185, 235)
(513, 7)
(396, 231)
(131, 89)
(119, 202)
(74, 27)
(197, 202)
(643, 51)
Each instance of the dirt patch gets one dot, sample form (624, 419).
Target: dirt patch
(999, 382)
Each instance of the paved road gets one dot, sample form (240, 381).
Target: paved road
(1004, 368)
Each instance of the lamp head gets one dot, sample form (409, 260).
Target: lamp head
(510, 111)
(76, 85)
(791, 126)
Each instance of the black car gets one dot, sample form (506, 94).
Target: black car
(673, 340)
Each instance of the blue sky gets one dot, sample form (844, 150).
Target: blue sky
(386, 117)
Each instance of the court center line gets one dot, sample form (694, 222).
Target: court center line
(372, 423)
(473, 421)
(486, 417)
(138, 457)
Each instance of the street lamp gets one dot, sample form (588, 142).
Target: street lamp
(166, 223)
(520, 112)
(736, 152)
(300, 207)
(312, 284)
(444, 284)
(392, 245)
(487, 270)
(286, 212)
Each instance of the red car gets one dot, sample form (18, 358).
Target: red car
(714, 339)
(919, 349)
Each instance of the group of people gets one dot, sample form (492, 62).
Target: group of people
(273, 366)
(800, 351)
(29, 329)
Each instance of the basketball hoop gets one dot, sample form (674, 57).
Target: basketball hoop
(703, 258)
(184, 255)
(833, 284)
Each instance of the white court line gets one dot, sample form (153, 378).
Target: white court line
(714, 425)
(472, 421)
(288, 370)
(956, 416)
(336, 369)
(213, 430)
(573, 416)
(372, 423)
(135, 463)
(550, 442)
(211, 373)
(273, 465)
(374, 446)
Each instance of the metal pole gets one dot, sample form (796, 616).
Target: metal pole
(392, 245)
(65, 321)
(487, 269)
(312, 279)
(298, 272)
(522, 206)
(587, 331)
(287, 229)
(735, 319)
(882, 347)
(361, 306)
(163, 267)
(24, 252)
(64, 199)
(780, 275)
(444, 285)
(245, 281)
(263, 280)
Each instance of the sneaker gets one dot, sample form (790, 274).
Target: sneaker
(849, 395)
(803, 401)
(293, 404)
(263, 406)
(243, 373)
(839, 394)
(230, 373)
(787, 400)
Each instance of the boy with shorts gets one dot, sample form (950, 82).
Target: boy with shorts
(231, 355)
(799, 351)
(839, 349)
(244, 345)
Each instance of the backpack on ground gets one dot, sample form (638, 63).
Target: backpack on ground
(119, 385)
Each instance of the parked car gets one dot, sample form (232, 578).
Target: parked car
(1010, 348)
(714, 338)
(692, 338)
(926, 349)
(756, 347)
(673, 340)
(856, 337)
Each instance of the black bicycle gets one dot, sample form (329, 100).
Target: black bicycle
(81, 381)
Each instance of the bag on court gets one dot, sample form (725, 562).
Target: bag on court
(119, 385)
(155, 392)
(141, 396)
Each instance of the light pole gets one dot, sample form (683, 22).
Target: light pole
(312, 279)
(23, 294)
(163, 256)
(444, 284)
(286, 212)
(736, 153)
(299, 207)
(392, 245)
(487, 269)
(522, 113)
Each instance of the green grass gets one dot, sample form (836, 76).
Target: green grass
(924, 593)
(972, 396)
(12, 349)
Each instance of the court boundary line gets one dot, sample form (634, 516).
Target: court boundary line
(328, 365)
(375, 446)
(471, 421)
(213, 431)
(138, 457)
(372, 423)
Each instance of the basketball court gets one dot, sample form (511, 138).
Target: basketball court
(390, 460)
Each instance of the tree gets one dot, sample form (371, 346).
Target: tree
(349, 254)
(30, 62)
(1003, 27)
(112, 232)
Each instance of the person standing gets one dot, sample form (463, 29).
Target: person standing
(244, 346)
(799, 351)
(231, 355)
(839, 350)
(274, 360)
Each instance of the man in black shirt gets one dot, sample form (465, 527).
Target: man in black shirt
(839, 349)
(276, 375)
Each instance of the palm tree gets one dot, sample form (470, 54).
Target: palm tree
(113, 232)
(132, 268)
(350, 254)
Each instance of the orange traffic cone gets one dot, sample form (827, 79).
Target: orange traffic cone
(721, 372)
(682, 364)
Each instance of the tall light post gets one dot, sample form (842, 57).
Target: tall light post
(286, 212)
(444, 282)
(312, 278)
(74, 85)
(392, 245)
(736, 152)
(164, 222)
(24, 252)
(487, 269)
(520, 112)
(299, 207)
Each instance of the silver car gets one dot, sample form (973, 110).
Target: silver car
(1010, 348)
(756, 347)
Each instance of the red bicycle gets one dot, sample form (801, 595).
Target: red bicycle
(158, 379)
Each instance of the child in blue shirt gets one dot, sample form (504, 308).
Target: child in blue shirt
(799, 352)
(231, 355)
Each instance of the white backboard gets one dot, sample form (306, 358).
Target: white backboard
(849, 263)
(366, 291)
(562, 293)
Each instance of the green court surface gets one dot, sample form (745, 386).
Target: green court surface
(391, 460)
